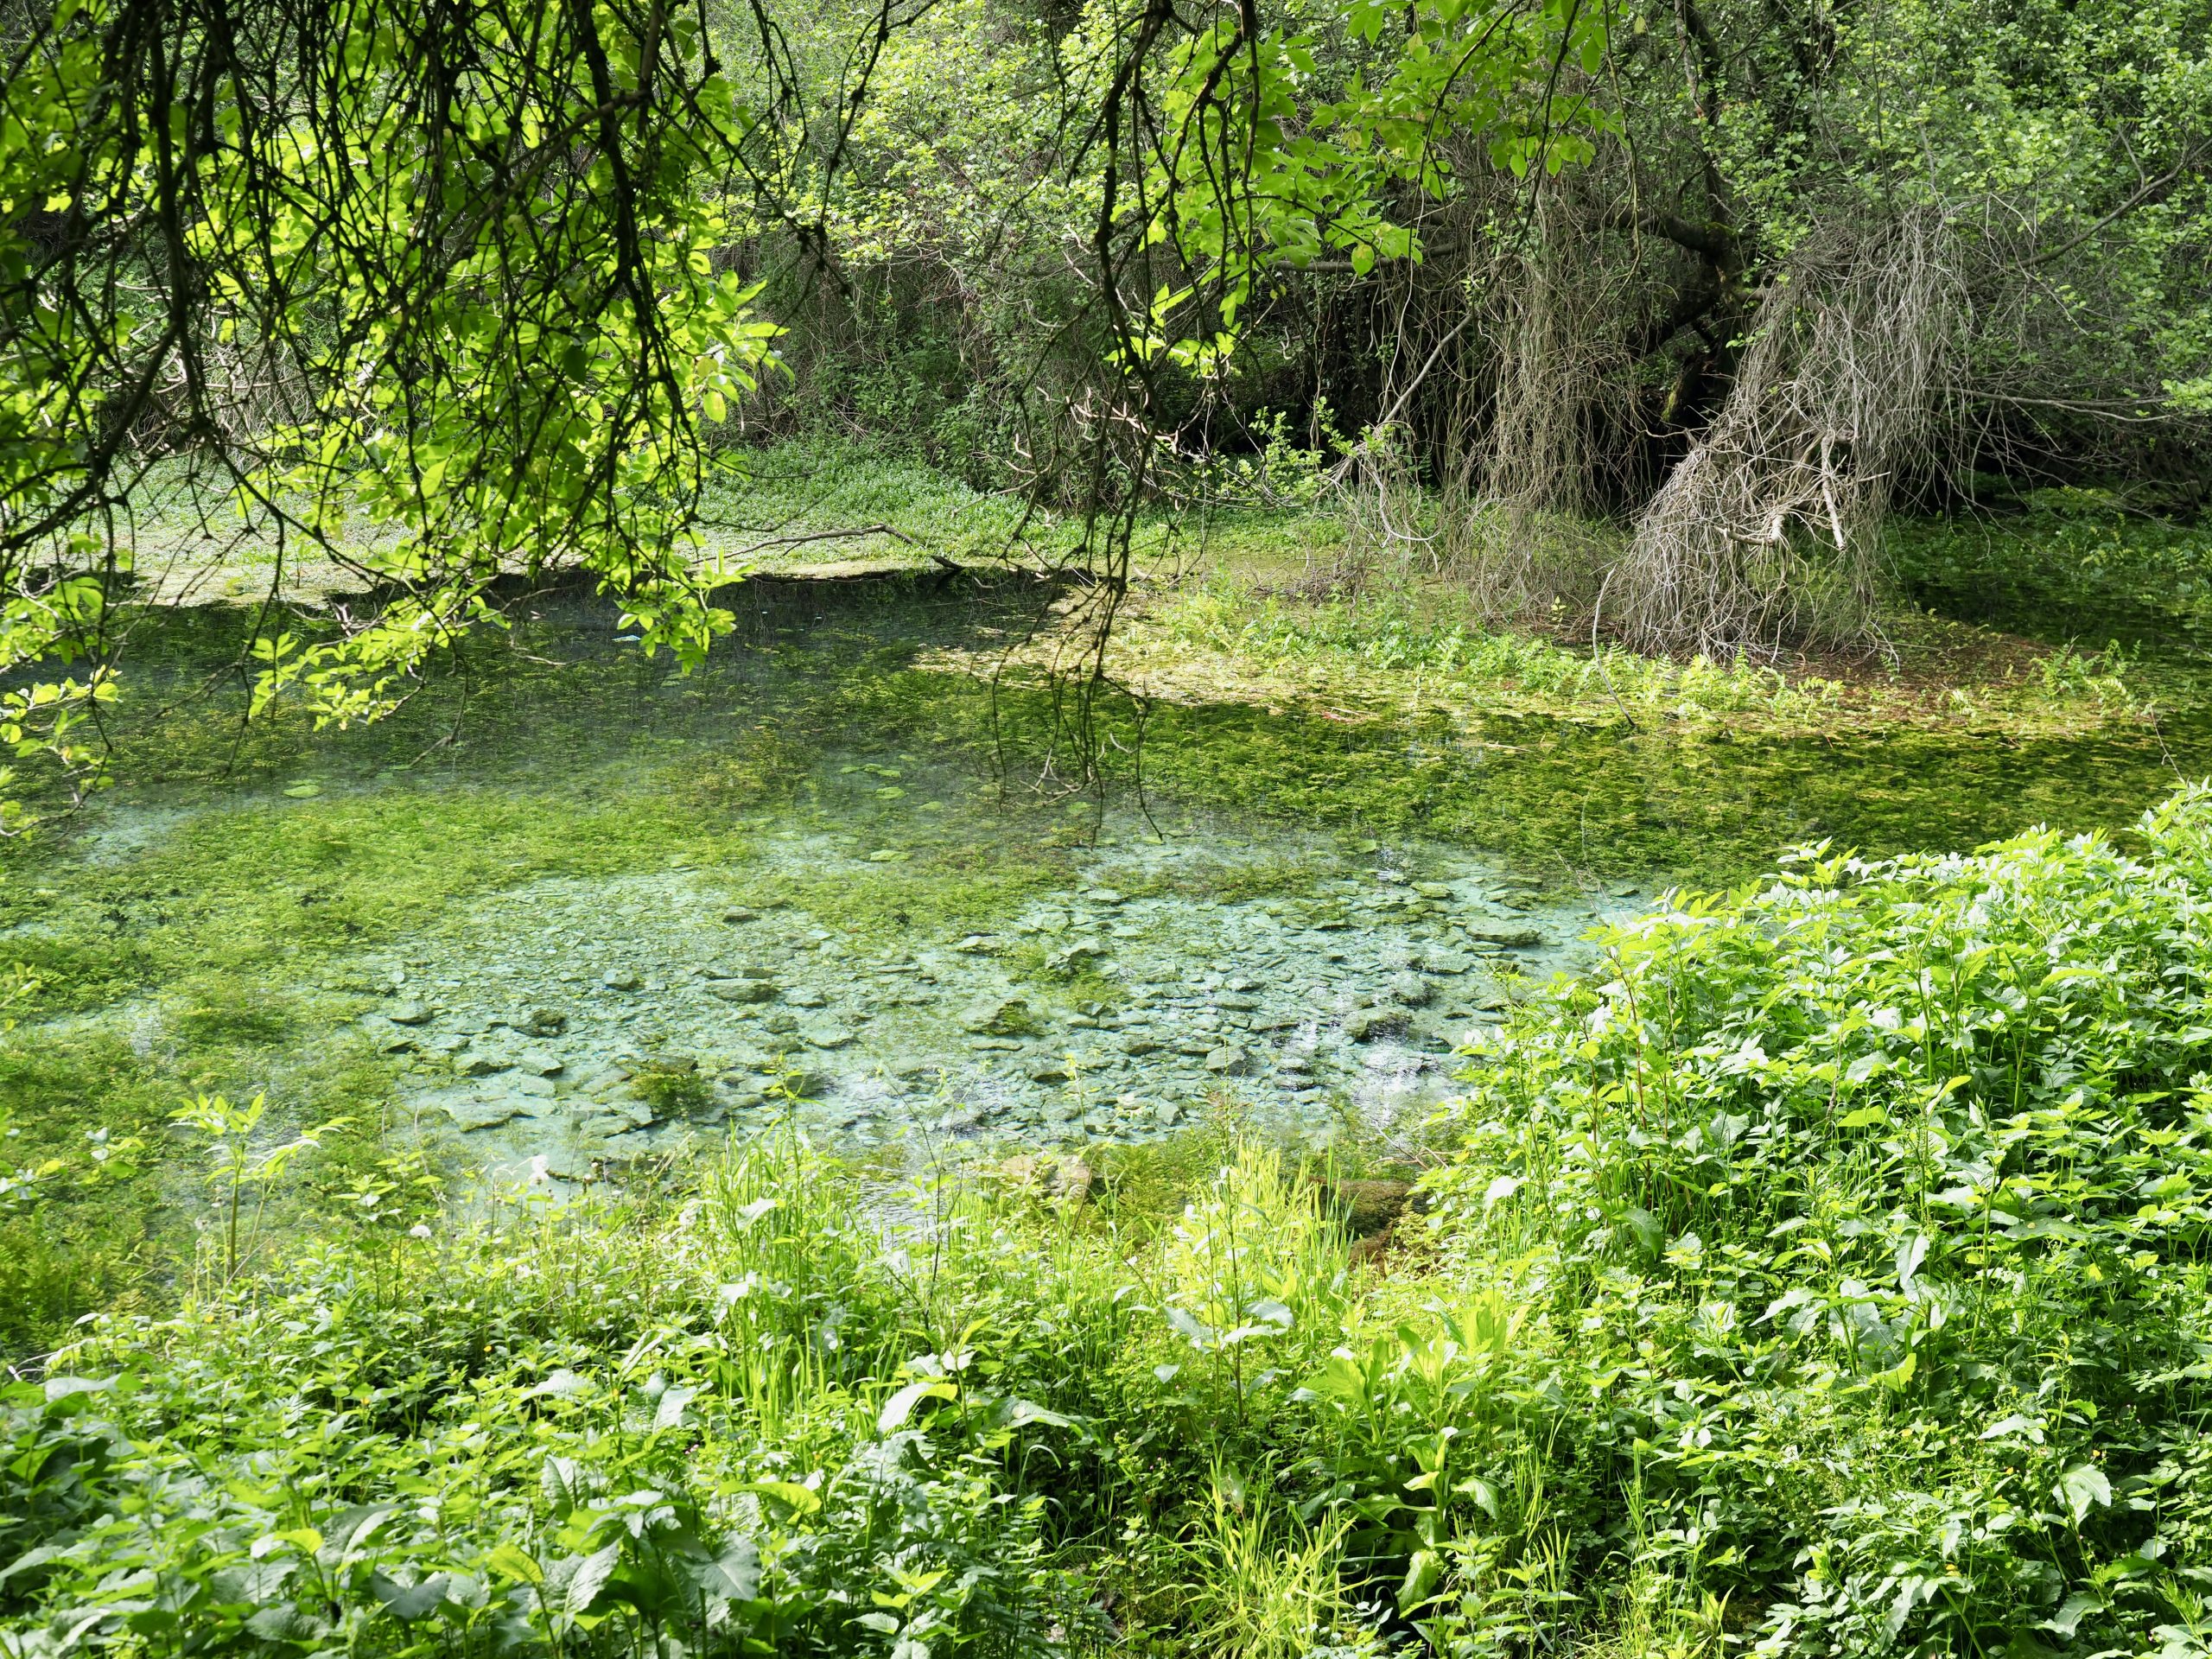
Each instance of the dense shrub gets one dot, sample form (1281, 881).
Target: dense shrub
(1859, 1227)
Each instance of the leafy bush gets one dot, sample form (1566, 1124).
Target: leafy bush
(571, 1432)
(1858, 1231)
(2081, 560)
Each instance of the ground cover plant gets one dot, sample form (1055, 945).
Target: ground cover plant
(1417, 648)
(1825, 1274)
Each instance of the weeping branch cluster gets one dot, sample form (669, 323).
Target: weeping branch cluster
(1767, 532)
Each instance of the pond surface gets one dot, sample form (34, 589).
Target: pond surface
(571, 909)
(568, 1020)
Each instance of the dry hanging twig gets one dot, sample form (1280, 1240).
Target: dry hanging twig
(1767, 532)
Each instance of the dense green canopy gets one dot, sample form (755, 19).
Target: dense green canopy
(442, 294)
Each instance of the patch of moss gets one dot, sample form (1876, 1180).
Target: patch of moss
(928, 896)
(213, 1012)
(673, 1091)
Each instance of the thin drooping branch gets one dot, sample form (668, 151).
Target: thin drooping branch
(1767, 532)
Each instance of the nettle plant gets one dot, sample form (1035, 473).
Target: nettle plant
(564, 1430)
(1865, 1217)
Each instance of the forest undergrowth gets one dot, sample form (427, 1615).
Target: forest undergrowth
(1825, 1274)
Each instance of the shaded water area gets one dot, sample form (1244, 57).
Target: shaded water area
(571, 908)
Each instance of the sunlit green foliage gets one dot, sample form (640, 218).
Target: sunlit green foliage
(1825, 1275)
(434, 300)
(1868, 1217)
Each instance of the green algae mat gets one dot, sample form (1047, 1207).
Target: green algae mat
(568, 910)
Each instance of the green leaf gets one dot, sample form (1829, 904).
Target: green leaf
(1422, 1573)
(2082, 1486)
(408, 1603)
(801, 1500)
(509, 1562)
(901, 1405)
(669, 1413)
(1483, 1492)
(590, 1577)
(736, 1571)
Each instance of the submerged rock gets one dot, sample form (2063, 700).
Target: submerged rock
(409, 1012)
(1364, 1025)
(743, 990)
(1204, 991)
(475, 1109)
(1412, 990)
(617, 1120)
(1075, 957)
(1000, 1016)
